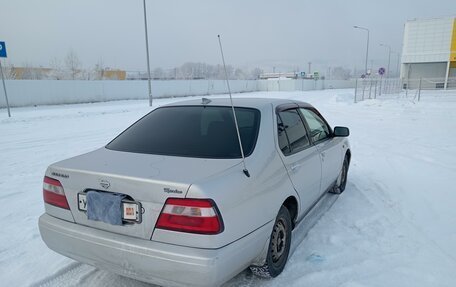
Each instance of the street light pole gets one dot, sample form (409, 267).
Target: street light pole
(367, 47)
(147, 54)
(4, 89)
(389, 59)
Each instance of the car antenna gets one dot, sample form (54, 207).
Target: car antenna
(246, 172)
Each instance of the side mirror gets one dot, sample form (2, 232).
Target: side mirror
(341, 132)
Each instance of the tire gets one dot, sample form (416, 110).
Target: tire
(279, 247)
(342, 179)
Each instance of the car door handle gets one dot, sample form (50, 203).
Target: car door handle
(294, 167)
(323, 156)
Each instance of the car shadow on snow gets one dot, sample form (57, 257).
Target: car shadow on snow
(246, 278)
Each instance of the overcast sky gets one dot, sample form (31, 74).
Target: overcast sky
(254, 33)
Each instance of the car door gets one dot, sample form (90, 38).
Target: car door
(300, 157)
(329, 147)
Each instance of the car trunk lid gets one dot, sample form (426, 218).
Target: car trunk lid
(145, 178)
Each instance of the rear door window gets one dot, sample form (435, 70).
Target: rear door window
(191, 131)
(292, 134)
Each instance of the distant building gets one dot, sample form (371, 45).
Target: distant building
(113, 74)
(429, 50)
(40, 73)
(266, 76)
(29, 73)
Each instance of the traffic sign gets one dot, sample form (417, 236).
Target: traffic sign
(363, 76)
(303, 74)
(381, 71)
(2, 50)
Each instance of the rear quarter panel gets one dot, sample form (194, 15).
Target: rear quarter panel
(245, 203)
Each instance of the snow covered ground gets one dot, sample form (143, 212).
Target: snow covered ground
(395, 225)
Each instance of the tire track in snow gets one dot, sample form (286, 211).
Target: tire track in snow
(67, 276)
(79, 274)
(380, 196)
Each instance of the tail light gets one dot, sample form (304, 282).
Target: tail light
(190, 215)
(53, 193)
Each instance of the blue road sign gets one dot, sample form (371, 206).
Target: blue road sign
(2, 50)
(381, 71)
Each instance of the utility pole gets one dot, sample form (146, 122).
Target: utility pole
(147, 54)
(389, 59)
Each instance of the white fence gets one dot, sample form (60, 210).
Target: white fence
(370, 88)
(303, 84)
(49, 92)
(52, 92)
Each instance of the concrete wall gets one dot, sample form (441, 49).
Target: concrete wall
(303, 84)
(50, 92)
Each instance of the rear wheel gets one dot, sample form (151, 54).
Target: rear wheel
(279, 247)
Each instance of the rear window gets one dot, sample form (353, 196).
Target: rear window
(191, 131)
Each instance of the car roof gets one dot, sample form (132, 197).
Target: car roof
(258, 103)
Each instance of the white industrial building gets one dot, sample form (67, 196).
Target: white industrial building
(429, 52)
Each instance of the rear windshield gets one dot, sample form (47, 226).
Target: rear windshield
(191, 131)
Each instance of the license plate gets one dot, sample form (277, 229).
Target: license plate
(131, 210)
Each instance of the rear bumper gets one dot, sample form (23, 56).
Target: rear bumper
(150, 261)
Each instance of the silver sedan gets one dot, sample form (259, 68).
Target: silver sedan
(196, 191)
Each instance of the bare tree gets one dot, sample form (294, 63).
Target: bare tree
(10, 72)
(255, 74)
(73, 63)
(57, 71)
(31, 73)
(340, 73)
(98, 70)
(158, 74)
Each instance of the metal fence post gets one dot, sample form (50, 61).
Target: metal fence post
(364, 81)
(370, 88)
(356, 88)
(419, 90)
(375, 90)
(380, 87)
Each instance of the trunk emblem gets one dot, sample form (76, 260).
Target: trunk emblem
(105, 184)
(169, 190)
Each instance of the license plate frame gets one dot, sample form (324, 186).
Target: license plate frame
(131, 210)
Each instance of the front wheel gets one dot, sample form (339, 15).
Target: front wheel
(279, 247)
(342, 179)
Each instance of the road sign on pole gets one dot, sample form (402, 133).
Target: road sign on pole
(381, 71)
(3, 55)
(2, 50)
